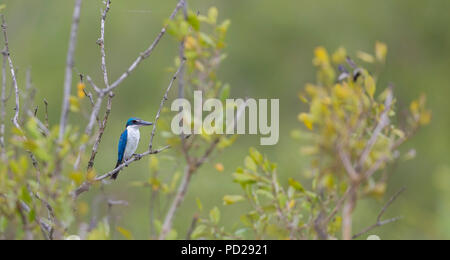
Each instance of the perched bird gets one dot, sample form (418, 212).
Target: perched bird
(129, 141)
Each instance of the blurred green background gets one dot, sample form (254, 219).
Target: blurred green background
(270, 48)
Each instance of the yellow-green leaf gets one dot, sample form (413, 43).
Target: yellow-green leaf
(370, 85)
(381, 50)
(231, 199)
(364, 56)
(214, 215)
(124, 232)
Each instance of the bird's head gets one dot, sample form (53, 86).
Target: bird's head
(137, 122)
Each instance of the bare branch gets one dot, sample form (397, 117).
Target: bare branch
(13, 74)
(88, 131)
(347, 213)
(101, 42)
(179, 198)
(44, 130)
(384, 121)
(379, 222)
(100, 133)
(46, 113)
(51, 216)
(3, 109)
(146, 53)
(192, 227)
(97, 89)
(163, 101)
(86, 185)
(69, 68)
(345, 158)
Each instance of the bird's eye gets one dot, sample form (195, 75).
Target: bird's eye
(134, 121)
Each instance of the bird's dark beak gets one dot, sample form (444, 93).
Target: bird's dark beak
(144, 123)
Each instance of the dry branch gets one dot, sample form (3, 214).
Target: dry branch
(69, 68)
(13, 74)
(147, 52)
(3, 109)
(380, 222)
(163, 101)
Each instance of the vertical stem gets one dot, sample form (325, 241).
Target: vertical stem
(2, 110)
(167, 226)
(69, 67)
(347, 215)
(13, 75)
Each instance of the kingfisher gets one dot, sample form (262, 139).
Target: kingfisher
(129, 141)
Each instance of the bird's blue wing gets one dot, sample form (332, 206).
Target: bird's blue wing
(122, 146)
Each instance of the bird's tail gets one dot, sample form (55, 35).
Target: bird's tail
(114, 176)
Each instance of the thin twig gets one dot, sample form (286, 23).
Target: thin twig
(13, 75)
(96, 88)
(163, 101)
(51, 216)
(86, 185)
(69, 68)
(46, 113)
(44, 129)
(192, 227)
(147, 52)
(345, 158)
(179, 198)
(101, 42)
(100, 133)
(380, 222)
(338, 206)
(3, 109)
(384, 121)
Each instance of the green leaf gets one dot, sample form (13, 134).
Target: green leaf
(3, 224)
(250, 164)
(158, 225)
(126, 233)
(265, 193)
(223, 27)
(296, 185)
(370, 85)
(25, 195)
(193, 20)
(256, 155)
(381, 50)
(231, 199)
(213, 13)
(199, 204)
(206, 40)
(32, 215)
(198, 231)
(244, 178)
(214, 215)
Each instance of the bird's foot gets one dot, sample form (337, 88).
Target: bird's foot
(137, 156)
